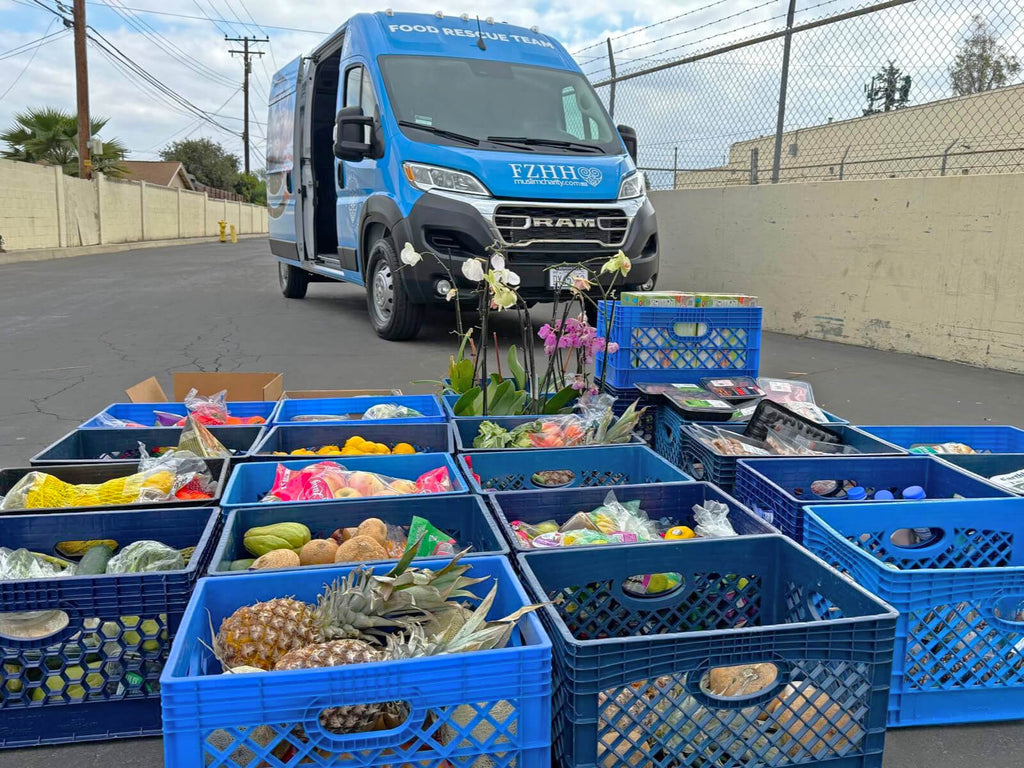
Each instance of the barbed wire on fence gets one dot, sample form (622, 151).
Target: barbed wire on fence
(870, 90)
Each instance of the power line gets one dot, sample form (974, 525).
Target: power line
(650, 26)
(194, 124)
(39, 44)
(246, 53)
(25, 47)
(205, 17)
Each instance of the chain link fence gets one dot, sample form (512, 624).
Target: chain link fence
(812, 90)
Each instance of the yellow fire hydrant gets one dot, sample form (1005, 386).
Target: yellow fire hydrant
(223, 229)
(234, 234)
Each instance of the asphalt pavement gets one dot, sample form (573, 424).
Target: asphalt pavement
(75, 333)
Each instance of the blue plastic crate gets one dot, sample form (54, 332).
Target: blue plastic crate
(601, 466)
(251, 482)
(630, 670)
(623, 399)
(85, 446)
(704, 463)
(675, 345)
(959, 594)
(986, 438)
(464, 518)
(100, 473)
(425, 438)
(988, 465)
(673, 501)
(477, 708)
(769, 486)
(352, 409)
(668, 430)
(466, 430)
(97, 678)
(145, 413)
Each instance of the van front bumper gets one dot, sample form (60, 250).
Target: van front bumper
(457, 228)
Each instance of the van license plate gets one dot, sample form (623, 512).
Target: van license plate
(562, 277)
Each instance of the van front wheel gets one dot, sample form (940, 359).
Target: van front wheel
(393, 316)
(294, 281)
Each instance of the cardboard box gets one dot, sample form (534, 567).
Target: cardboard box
(656, 299)
(240, 386)
(319, 394)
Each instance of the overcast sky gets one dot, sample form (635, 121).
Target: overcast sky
(701, 108)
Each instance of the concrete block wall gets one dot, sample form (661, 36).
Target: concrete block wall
(40, 207)
(928, 266)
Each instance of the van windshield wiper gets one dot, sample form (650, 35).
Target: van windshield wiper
(528, 141)
(441, 132)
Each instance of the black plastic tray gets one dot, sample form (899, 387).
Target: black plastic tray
(769, 416)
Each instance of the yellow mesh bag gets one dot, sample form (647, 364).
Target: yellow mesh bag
(39, 490)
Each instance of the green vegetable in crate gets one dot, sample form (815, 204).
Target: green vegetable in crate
(241, 565)
(146, 556)
(266, 538)
(79, 548)
(95, 559)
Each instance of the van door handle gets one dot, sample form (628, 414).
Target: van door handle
(341, 175)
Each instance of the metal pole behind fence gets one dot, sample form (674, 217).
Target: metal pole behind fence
(611, 68)
(945, 156)
(675, 167)
(753, 165)
(784, 82)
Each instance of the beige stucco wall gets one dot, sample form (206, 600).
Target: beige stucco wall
(928, 266)
(981, 132)
(42, 208)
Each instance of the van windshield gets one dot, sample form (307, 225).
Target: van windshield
(503, 106)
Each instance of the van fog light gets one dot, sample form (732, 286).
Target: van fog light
(441, 287)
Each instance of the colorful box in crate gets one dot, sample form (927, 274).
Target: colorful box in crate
(670, 503)
(348, 409)
(479, 708)
(706, 463)
(1003, 469)
(762, 656)
(665, 344)
(779, 489)
(601, 466)
(464, 518)
(466, 430)
(424, 438)
(656, 299)
(78, 474)
(86, 446)
(94, 675)
(144, 414)
(985, 438)
(955, 572)
(249, 483)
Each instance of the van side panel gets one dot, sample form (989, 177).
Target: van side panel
(281, 177)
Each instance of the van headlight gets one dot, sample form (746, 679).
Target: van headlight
(632, 186)
(428, 177)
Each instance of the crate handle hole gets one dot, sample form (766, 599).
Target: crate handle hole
(825, 489)
(32, 625)
(739, 683)
(1010, 609)
(653, 586)
(690, 330)
(394, 714)
(553, 478)
(916, 538)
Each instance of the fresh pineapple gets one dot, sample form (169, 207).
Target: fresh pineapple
(336, 653)
(361, 606)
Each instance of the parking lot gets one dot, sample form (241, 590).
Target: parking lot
(74, 333)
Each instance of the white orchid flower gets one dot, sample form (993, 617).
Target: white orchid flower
(409, 256)
(618, 263)
(473, 270)
(501, 274)
(502, 297)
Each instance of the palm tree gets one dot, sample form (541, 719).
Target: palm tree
(50, 137)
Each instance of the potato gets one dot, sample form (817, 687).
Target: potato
(359, 549)
(318, 552)
(277, 558)
(375, 528)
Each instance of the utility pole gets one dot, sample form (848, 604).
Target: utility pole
(246, 69)
(82, 91)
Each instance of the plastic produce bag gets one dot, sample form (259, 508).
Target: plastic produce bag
(727, 443)
(109, 422)
(146, 556)
(331, 480)
(434, 481)
(23, 564)
(429, 540)
(157, 479)
(712, 520)
(391, 411)
(195, 437)
(208, 410)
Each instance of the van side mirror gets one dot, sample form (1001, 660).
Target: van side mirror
(629, 139)
(349, 135)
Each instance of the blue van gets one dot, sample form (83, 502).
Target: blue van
(453, 134)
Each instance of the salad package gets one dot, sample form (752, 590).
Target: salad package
(330, 480)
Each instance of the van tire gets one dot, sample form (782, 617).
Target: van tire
(392, 314)
(294, 281)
